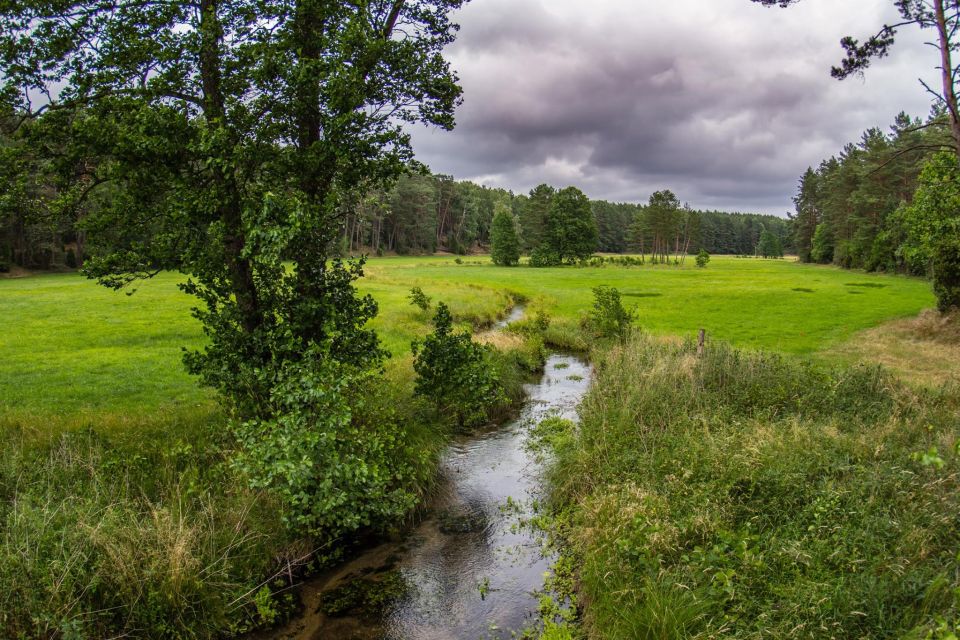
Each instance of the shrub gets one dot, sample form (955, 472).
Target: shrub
(454, 372)
(542, 256)
(703, 258)
(946, 277)
(71, 259)
(609, 318)
(332, 473)
(419, 299)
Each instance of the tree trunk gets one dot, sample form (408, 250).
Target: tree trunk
(949, 90)
(240, 270)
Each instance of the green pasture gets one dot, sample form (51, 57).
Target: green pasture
(772, 304)
(71, 347)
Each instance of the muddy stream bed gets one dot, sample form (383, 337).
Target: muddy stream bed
(468, 570)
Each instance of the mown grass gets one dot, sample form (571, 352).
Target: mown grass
(745, 495)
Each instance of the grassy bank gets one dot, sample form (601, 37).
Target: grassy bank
(120, 511)
(745, 495)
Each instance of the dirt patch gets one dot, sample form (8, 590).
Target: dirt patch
(500, 340)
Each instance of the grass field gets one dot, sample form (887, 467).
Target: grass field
(120, 508)
(74, 348)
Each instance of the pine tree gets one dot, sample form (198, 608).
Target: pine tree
(505, 246)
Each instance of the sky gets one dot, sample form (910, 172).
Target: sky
(725, 102)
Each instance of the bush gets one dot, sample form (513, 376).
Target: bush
(544, 257)
(454, 372)
(331, 473)
(703, 258)
(609, 318)
(946, 277)
(71, 259)
(419, 299)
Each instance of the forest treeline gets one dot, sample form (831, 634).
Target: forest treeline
(850, 208)
(42, 228)
(427, 213)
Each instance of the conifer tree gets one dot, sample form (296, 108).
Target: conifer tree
(504, 244)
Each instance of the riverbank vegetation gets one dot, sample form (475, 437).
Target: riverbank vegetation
(747, 495)
(134, 514)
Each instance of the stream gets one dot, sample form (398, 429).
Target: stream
(468, 570)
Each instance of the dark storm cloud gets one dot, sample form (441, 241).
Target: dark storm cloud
(723, 101)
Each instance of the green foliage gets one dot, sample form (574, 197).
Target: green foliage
(544, 256)
(504, 244)
(821, 249)
(769, 245)
(533, 211)
(226, 151)
(946, 277)
(71, 259)
(331, 473)
(609, 318)
(419, 299)
(847, 207)
(702, 258)
(569, 230)
(454, 372)
(745, 495)
(142, 534)
(932, 224)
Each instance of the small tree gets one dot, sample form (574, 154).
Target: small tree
(419, 299)
(505, 245)
(769, 245)
(454, 371)
(821, 250)
(570, 230)
(609, 317)
(703, 258)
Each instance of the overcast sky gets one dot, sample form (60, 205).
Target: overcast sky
(725, 102)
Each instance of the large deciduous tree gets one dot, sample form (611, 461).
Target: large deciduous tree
(222, 138)
(231, 130)
(569, 229)
(942, 16)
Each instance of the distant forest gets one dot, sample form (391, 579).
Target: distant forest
(427, 213)
(419, 214)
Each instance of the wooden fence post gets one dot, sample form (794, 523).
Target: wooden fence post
(700, 340)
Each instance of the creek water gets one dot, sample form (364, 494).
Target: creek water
(468, 570)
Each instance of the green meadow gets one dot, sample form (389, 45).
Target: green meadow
(74, 348)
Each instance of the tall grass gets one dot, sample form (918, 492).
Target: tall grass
(99, 539)
(743, 495)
